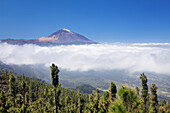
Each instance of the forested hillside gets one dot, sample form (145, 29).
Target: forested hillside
(85, 88)
(22, 94)
(101, 79)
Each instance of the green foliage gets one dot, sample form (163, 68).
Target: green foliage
(3, 100)
(104, 103)
(68, 103)
(97, 101)
(153, 99)
(54, 75)
(23, 84)
(112, 91)
(144, 92)
(84, 88)
(39, 97)
(80, 102)
(164, 107)
(12, 88)
(129, 99)
(92, 102)
(55, 83)
(19, 100)
(137, 90)
(117, 107)
(26, 98)
(28, 95)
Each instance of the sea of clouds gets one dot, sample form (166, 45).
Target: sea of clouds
(132, 57)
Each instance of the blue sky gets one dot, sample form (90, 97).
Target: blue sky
(99, 20)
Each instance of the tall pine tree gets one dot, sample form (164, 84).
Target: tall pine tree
(144, 92)
(80, 102)
(153, 99)
(112, 91)
(12, 88)
(137, 90)
(23, 85)
(55, 83)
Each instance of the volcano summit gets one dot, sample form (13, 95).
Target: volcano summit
(62, 36)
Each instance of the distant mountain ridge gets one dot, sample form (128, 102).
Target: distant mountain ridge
(62, 36)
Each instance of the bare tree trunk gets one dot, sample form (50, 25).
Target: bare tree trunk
(24, 97)
(56, 101)
(144, 110)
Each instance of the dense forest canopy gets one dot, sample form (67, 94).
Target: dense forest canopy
(22, 94)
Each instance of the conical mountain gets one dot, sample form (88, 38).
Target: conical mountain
(65, 36)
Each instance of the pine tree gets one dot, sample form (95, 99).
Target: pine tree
(55, 82)
(153, 99)
(144, 92)
(12, 91)
(6, 74)
(19, 100)
(97, 101)
(129, 98)
(23, 109)
(137, 90)
(54, 75)
(67, 104)
(45, 92)
(3, 100)
(162, 102)
(104, 103)
(50, 97)
(92, 102)
(58, 92)
(162, 106)
(112, 91)
(162, 110)
(12, 88)
(9, 102)
(23, 85)
(31, 92)
(80, 102)
(117, 107)
(123, 94)
(26, 98)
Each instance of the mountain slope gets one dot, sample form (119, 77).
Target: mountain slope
(63, 36)
(85, 88)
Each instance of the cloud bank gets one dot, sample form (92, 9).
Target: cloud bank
(134, 57)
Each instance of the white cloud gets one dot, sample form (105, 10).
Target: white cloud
(135, 57)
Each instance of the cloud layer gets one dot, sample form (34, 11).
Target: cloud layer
(134, 57)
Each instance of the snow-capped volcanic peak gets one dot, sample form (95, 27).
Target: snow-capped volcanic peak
(62, 36)
(66, 30)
